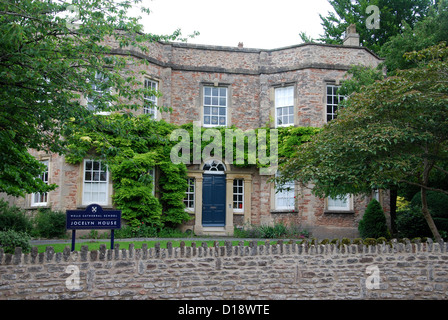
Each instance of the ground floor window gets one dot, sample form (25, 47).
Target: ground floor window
(95, 183)
(285, 199)
(238, 195)
(41, 199)
(189, 195)
(341, 203)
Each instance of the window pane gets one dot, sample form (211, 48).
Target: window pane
(339, 203)
(95, 183)
(333, 100)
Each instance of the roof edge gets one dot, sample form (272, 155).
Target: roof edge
(257, 50)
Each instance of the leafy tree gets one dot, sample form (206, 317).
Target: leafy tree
(49, 58)
(393, 131)
(429, 31)
(373, 224)
(392, 15)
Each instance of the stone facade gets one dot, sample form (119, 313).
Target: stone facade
(250, 78)
(266, 272)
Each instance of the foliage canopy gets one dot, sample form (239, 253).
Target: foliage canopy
(49, 59)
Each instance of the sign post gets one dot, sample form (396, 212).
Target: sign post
(93, 217)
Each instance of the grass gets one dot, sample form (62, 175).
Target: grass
(94, 245)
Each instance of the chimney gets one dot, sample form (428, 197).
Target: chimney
(351, 36)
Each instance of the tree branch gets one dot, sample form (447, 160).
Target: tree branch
(440, 169)
(424, 187)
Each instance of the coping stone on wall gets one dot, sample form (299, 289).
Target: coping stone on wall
(253, 249)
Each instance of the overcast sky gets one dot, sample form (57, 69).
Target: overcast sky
(263, 24)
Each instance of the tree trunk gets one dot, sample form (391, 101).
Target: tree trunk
(393, 210)
(432, 226)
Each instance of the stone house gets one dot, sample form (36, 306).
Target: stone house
(247, 88)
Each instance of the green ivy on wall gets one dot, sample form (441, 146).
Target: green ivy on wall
(132, 146)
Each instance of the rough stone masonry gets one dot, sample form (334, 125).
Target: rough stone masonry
(269, 272)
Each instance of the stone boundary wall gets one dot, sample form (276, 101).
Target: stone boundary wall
(261, 272)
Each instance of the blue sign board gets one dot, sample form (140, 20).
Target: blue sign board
(93, 217)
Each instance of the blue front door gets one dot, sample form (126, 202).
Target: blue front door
(214, 200)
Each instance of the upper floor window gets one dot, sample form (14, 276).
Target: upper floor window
(41, 199)
(95, 183)
(150, 101)
(333, 100)
(284, 106)
(100, 88)
(215, 106)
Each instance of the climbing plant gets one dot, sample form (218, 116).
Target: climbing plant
(132, 146)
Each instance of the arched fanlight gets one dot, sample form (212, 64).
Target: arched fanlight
(214, 166)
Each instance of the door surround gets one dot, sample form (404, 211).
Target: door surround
(230, 175)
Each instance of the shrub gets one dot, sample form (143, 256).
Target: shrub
(279, 230)
(50, 224)
(370, 242)
(412, 224)
(13, 218)
(437, 203)
(10, 239)
(373, 224)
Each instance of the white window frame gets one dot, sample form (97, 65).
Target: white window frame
(41, 199)
(288, 195)
(152, 173)
(212, 102)
(90, 104)
(284, 104)
(333, 204)
(92, 182)
(376, 194)
(238, 192)
(190, 197)
(335, 98)
(150, 102)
